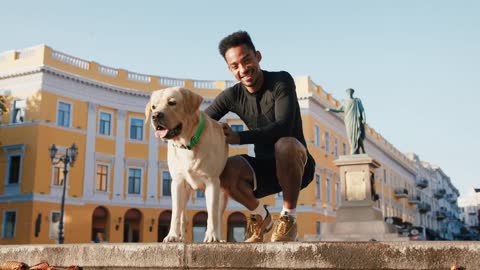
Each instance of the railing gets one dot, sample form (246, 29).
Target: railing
(422, 183)
(204, 84)
(401, 192)
(440, 215)
(439, 193)
(108, 71)
(74, 61)
(26, 53)
(166, 81)
(132, 76)
(415, 199)
(424, 207)
(230, 83)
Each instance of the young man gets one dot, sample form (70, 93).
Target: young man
(267, 103)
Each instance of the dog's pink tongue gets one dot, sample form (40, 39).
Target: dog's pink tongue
(161, 133)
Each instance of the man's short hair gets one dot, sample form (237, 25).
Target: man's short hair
(235, 39)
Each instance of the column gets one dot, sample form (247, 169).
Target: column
(119, 157)
(152, 175)
(89, 170)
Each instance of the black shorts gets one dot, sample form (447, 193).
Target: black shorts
(265, 174)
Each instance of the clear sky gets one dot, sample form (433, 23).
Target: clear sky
(414, 64)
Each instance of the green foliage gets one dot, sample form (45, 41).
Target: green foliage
(3, 107)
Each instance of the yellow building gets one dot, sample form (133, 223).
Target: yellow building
(119, 184)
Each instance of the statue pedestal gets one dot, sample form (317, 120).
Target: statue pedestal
(357, 218)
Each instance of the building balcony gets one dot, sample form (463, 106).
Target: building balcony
(414, 199)
(422, 183)
(439, 193)
(401, 193)
(424, 207)
(451, 198)
(440, 215)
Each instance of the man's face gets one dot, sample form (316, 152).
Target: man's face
(243, 62)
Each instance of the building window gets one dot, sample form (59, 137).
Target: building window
(327, 141)
(101, 183)
(9, 224)
(166, 183)
(316, 136)
(335, 146)
(384, 176)
(337, 191)
(54, 223)
(344, 150)
(319, 227)
(134, 180)
(64, 114)
(18, 111)
(14, 159)
(136, 129)
(318, 182)
(237, 128)
(329, 190)
(105, 123)
(58, 177)
(200, 194)
(14, 162)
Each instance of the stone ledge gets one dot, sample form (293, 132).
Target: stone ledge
(300, 255)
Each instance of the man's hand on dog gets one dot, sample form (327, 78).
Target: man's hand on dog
(231, 137)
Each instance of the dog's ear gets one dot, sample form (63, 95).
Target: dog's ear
(148, 110)
(191, 99)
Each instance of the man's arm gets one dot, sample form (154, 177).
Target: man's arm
(285, 103)
(219, 107)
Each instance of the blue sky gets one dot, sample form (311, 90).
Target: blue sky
(414, 64)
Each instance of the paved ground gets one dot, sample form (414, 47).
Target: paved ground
(306, 255)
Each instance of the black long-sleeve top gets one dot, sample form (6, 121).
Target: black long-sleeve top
(270, 113)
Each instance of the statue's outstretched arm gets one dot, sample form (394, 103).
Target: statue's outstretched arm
(338, 110)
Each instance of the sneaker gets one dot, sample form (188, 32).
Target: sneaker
(285, 229)
(257, 227)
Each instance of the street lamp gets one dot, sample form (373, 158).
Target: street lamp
(69, 158)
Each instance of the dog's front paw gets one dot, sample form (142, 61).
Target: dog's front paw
(173, 239)
(212, 237)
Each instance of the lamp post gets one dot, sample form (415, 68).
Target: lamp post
(67, 159)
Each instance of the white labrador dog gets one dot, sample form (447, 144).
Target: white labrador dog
(197, 154)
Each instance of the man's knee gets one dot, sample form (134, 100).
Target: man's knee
(232, 173)
(288, 146)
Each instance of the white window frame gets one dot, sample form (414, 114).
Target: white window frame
(50, 224)
(70, 120)
(108, 178)
(130, 129)
(99, 123)
(4, 223)
(317, 138)
(13, 150)
(329, 190)
(141, 181)
(14, 107)
(318, 188)
(327, 142)
(161, 184)
(56, 190)
(318, 227)
(344, 150)
(337, 194)
(335, 146)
